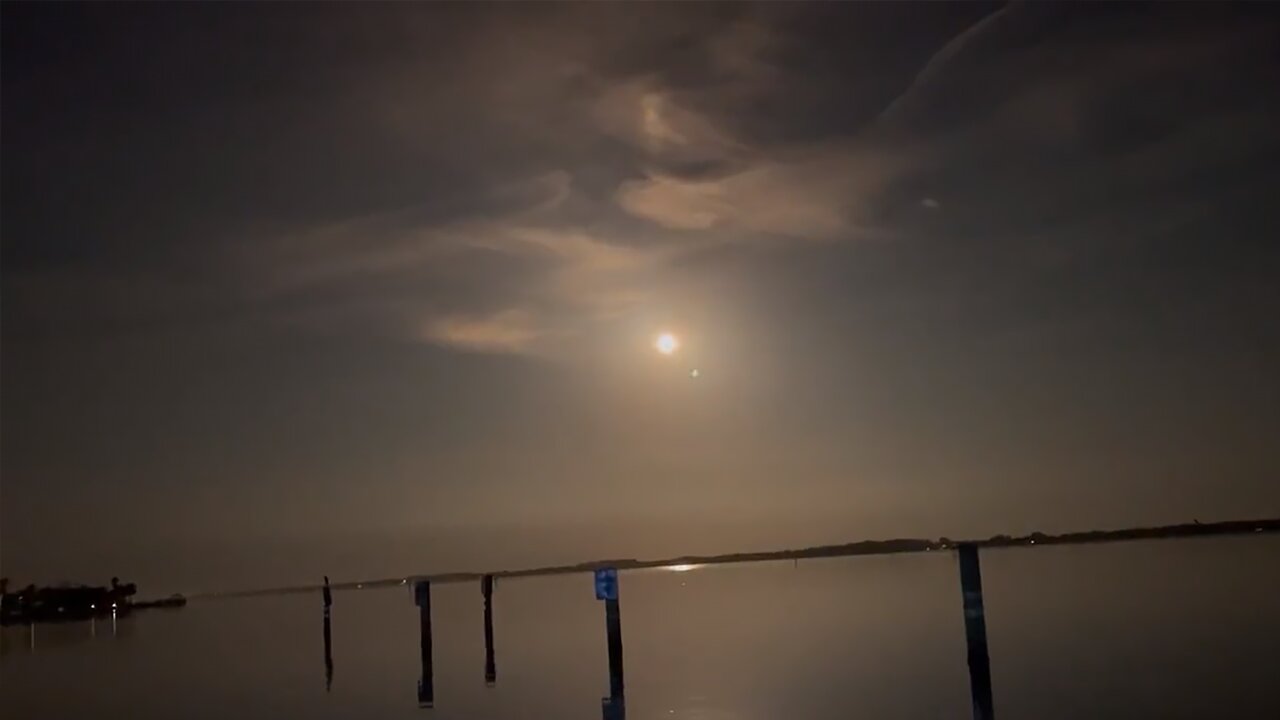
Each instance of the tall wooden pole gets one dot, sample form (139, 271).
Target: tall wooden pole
(975, 630)
(490, 665)
(426, 685)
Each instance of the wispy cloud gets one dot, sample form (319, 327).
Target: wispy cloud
(547, 257)
(518, 282)
(610, 166)
(936, 66)
(508, 331)
(825, 197)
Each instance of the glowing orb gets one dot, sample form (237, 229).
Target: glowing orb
(667, 343)
(694, 373)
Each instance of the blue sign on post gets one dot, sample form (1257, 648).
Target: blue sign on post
(607, 584)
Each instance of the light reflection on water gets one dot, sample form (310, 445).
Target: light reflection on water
(1168, 629)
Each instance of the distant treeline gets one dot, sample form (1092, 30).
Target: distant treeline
(33, 604)
(865, 547)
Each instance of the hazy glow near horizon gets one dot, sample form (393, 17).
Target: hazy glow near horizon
(667, 343)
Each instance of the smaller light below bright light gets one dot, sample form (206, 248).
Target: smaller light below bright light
(694, 373)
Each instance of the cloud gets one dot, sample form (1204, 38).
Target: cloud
(758, 200)
(650, 117)
(529, 265)
(537, 262)
(740, 53)
(524, 280)
(513, 330)
(589, 169)
(826, 194)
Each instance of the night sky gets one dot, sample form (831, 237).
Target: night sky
(369, 290)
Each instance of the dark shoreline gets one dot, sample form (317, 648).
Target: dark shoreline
(865, 547)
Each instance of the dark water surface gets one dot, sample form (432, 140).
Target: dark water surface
(1153, 629)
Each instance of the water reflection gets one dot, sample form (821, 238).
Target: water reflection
(32, 637)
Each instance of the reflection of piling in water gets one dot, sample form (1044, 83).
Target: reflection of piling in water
(328, 596)
(426, 685)
(328, 653)
(975, 630)
(490, 666)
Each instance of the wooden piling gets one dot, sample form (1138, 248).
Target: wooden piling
(426, 685)
(613, 625)
(490, 665)
(975, 629)
(613, 708)
(328, 652)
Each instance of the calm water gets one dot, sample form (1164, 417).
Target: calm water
(1158, 629)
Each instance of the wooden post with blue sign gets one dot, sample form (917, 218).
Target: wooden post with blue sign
(426, 685)
(975, 630)
(490, 666)
(606, 581)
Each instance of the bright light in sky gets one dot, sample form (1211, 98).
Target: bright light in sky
(667, 343)
(681, 568)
